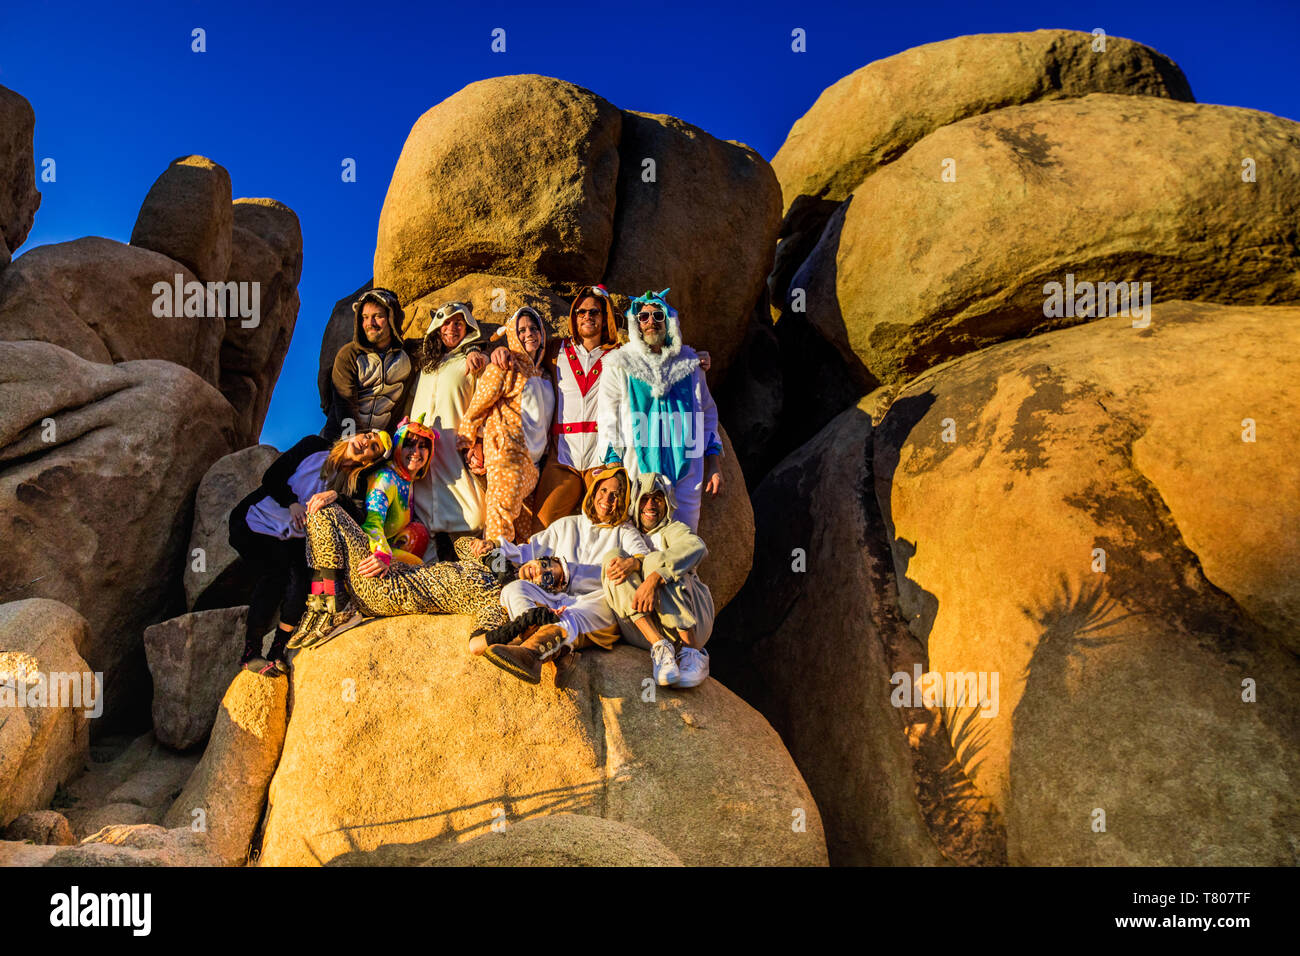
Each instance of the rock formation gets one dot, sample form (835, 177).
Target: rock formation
(398, 737)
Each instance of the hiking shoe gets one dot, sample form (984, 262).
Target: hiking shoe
(260, 665)
(693, 665)
(664, 661)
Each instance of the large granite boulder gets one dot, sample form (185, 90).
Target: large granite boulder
(97, 298)
(634, 200)
(398, 736)
(912, 270)
(186, 216)
(19, 198)
(703, 226)
(215, 576)
(191, 659)
(98, 468)
(1107, 519)
(226, 794)
(875, 114)
(47, 697)
(514, 175)
(267, 256)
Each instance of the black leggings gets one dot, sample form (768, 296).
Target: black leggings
(281, 566)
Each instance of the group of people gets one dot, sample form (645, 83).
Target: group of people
(549, 488)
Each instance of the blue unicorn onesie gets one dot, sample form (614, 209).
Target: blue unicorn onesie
(655, 413)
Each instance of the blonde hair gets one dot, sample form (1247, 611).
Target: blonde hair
(341, 471)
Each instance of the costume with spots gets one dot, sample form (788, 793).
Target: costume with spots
(335, 542)
(495, 414)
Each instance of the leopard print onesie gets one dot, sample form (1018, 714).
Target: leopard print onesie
(336, 542)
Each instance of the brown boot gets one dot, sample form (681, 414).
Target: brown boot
(565, 661)
(524, 660)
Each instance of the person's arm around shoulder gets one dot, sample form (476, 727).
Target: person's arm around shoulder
(609, 414)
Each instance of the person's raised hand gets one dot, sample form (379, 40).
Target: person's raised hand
(705, 361)
(474, 458)
(474, 362)
(320, 501)
(501, 357)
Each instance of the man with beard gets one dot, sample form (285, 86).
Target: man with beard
(574, 363)
(371, 374)
(656, 413)
(557, 623)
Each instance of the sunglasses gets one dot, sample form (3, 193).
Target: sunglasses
(595, 313)
(549, 579)
(656, 317)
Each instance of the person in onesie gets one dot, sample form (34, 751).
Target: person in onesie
(576, 614)
(507, 417)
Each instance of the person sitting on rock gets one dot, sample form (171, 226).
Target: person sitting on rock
(338, 550)
(656, 413)
(372, 373)
(449, 500)
(267, 530)
(508, 421)
(659, 599)
(558, 622)
(393, 533)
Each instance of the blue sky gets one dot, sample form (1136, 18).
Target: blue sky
(286, 91)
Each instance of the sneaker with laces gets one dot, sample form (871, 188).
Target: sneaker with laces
(664, 661)
(693, 665)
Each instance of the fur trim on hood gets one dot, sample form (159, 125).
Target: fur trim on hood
(387, 299)
(647, 483)
(620, 506)
(674, 361)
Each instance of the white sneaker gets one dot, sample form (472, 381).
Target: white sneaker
(665, 664)
(693, 666)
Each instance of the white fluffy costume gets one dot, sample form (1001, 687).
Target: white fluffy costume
(656, 413)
